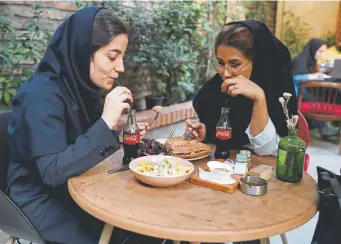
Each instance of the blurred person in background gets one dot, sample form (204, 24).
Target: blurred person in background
(303, 68)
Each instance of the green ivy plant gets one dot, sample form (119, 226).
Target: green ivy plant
(296, 33)
(16, 47)
(259, 10)
(330, 37)
(170, 42)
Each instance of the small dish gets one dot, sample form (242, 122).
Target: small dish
(253, 185)
(221, 172)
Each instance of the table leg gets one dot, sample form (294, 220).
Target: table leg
(106, 234)
(284, 238)
(11, 240)
(265, 241)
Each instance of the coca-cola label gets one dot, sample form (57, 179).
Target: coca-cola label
(223, 134)
(131, 139)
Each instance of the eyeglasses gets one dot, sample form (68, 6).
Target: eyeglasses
(234, 70)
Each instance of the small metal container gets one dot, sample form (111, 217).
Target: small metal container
(253, 185)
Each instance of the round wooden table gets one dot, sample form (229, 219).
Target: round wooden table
(189, 212)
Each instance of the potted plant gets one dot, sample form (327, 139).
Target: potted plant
(156, 99)
(189, 90)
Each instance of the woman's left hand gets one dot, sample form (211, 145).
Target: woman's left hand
(242, 86)
(144, 128)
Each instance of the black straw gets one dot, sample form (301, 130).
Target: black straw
(226, 101)
(130, 103)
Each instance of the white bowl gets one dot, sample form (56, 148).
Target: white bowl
(158, 180)
(219, 175)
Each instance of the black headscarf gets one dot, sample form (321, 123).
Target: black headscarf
(61, 84)
(68, 58)
(305, 62)
(270, 71)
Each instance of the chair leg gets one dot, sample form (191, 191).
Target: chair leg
(12, 240)
(265, 241)
(284, 238)
(340, 141)
(106, 234)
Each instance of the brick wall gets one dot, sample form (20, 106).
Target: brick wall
(52, 12)
(51, 16)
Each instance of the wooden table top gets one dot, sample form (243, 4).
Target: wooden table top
(192, 213)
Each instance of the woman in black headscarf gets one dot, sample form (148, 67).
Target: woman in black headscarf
(253, 72)
(303, 68)
(305, 62)
(59, 130)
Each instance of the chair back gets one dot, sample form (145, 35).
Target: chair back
(303, 128)
(4, 148)
(304, 134)
(12, 221)
(320, 100)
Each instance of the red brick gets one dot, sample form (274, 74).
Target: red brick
(169, 118)
(163, 119)
(41, 3)
(181, 114)
(188, 113)
(152, 126)
(184, 114)
(178, 115)
(173, 116)
(64, 5)
(158, 122)
(192, 112)
(55, 14)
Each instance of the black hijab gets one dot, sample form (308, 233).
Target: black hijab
(61, 86)
(305, 62)
(271, 60)
(68, 58)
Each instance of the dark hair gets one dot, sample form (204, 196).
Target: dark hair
(237, 36)
(105, 27)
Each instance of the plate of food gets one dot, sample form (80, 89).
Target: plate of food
(176, 146)
(160, 170)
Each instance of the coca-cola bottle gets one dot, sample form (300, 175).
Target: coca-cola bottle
(223, 134)
(131, 138)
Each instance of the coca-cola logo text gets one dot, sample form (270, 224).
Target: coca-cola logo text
(131, 138)
(223, 134)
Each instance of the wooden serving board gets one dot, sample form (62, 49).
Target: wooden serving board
(196, 180)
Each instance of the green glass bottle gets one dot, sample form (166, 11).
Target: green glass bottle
(290, 158)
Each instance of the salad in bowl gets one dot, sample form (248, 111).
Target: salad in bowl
(162, 171)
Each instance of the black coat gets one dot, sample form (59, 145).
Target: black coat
(56, 133)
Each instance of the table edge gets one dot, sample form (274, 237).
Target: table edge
(190, 235)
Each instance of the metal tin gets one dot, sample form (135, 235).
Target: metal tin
(253, 185)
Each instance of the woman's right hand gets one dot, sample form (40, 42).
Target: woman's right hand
(198, 130)
(114, 105)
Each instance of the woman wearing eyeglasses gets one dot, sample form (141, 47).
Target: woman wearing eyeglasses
(252, 73)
